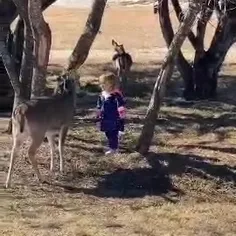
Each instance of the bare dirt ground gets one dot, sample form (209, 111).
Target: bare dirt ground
(184, 186)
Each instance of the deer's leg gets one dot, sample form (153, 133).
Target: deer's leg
(51, 141)
(17, 141)
(35, 144)
(62, 137)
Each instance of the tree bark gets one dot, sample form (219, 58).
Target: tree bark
(8, 11)
(206, 69)
(147, 133)
(26, 62)
(81, 50)
(200, 79)
(205, 16)
(17, 43)
(47, 3)
(183, 66)
(10, 68)
(180, 15)
(22, 38)
(42, 45)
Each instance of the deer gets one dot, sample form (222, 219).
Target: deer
(122, 62)
(43, 117)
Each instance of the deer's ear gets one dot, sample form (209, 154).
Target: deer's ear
(114, 43)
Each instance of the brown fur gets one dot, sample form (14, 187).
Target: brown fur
(43, 117)
(122, 60)
(19, 115)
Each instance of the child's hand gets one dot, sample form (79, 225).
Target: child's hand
(98, 125)
(97, 116)
(122, 112)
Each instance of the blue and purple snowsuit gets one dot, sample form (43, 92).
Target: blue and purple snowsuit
(111, 114)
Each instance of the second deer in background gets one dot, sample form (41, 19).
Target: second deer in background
(122, 62)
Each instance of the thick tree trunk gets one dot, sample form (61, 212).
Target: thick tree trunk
(200, 79)
(9, 64)
(17, 44)
(26, 57)
(23, 58)
(165, 73)
(42, 45)
(11, 71)
(81, 50)
(22, 38)
(207, 67)
(10, 68)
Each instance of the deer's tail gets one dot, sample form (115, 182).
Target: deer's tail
(19, 116)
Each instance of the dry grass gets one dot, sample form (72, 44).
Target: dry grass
(185, 186)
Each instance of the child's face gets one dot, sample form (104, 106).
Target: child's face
(106, 87)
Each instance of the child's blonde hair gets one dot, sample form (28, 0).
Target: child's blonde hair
(110, 79)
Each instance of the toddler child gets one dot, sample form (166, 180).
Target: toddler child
(111, 111)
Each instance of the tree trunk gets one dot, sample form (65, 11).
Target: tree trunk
(7, 12)
(81, 50)
(183, 66)
(17, 44)
(11, 71)
(26, 57)
(42, 45)
(10, 68)
(200, 79)
(146, 136)
(207, 67)
(47, 3)
(22, 37)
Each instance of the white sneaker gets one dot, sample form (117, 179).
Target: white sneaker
(121, 133)
(111, 152)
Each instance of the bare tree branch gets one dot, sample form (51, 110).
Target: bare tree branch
(180, 15)
(205, 16)
(184, 67)
(85, 41)
(164, 74)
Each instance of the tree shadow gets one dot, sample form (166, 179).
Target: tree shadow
(225, 100)
(157, 179)
(131, 183)
(230, 150)
(198, 166)
(176, 123)
(214, 115)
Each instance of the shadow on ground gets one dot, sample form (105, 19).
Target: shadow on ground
(157, 180)
(131, 183)
(198, 166)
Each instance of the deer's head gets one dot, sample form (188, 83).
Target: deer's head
(119, 48)
(65, 85)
